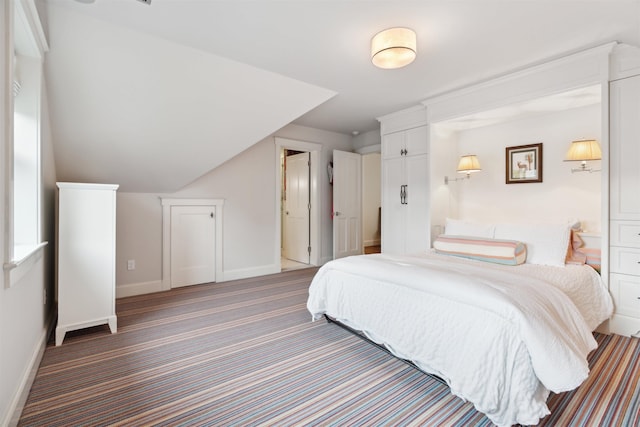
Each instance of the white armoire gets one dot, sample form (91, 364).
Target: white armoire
(86, 241)
(405, 182)
(624, 192)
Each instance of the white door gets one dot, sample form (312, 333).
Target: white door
(393, 209)
(296, 234)
(193, 245)
(416, 204)
(347, 204)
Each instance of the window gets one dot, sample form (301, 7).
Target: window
(23, 237)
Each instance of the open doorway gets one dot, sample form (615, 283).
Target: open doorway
(371, 203)
(303, 233)
(295, 196)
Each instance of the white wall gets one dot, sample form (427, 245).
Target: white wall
(367, 139)
(371, 194)
(246, 183)
(562, 195)
(24, 315)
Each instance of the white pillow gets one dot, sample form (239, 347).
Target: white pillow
(457, 227)
(546, 243)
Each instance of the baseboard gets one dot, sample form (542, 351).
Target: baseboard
(245, 273)
(142, 288)
(20, 398)
(374, 242)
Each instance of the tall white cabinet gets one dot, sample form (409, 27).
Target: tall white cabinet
(405, 182)
(624, 207)
(86, 241)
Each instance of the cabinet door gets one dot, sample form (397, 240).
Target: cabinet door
(417, 141)
(417, 231)
(393, 145)
(625, 148)
(625, 291)
(393, 211)
(86, 264)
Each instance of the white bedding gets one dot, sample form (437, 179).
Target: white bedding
(501, 336)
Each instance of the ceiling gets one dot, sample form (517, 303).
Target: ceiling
(199, 81)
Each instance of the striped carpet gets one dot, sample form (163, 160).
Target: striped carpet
(245, 353)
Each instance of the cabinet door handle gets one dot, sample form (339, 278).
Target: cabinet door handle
(403, 194)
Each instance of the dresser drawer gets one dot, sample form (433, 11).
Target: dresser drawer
(624, 260)
(625, 233)
(625, 291)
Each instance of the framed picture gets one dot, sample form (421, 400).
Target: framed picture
(524, 164)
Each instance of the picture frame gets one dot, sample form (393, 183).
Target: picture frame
(523, 164)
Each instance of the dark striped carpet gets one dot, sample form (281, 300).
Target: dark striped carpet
(245, 353)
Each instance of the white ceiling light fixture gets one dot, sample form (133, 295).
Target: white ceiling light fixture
(393, 48)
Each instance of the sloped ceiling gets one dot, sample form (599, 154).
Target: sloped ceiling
(153, 115)
(152, 97)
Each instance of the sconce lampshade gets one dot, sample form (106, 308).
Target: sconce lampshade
(393, 48)
(584, 149)
(468, 164)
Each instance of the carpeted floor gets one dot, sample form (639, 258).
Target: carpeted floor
(246, 353)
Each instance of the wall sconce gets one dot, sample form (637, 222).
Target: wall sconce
(393, 48)
(581, 151)
(467, 164)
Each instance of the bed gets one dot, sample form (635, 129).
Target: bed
(502, 333)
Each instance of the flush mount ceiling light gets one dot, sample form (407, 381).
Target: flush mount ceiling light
(393, 48)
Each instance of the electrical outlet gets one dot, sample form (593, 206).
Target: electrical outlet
(131, 264)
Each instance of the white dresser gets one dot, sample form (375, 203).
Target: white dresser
(86, 242)
(624, 226)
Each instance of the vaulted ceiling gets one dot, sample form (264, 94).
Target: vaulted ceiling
(153, 96)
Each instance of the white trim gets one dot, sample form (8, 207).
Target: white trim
(28, 13)
(86, 186)
(244, 273)
(133, 289)
(14, 410)
(408, 118)
(574, 71)
(33, 44)
(375, 148)
(15, 270)
(167, 203)
(315, 184)
(373, 242)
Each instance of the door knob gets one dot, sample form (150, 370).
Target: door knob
(337, 213)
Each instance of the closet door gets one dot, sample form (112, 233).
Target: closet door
(625, 149)
(393, 212)
(193, 245)
(416, 204)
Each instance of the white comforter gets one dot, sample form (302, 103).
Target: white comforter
(501, 336)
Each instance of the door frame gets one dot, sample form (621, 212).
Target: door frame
(315, 186)
(167, 203)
